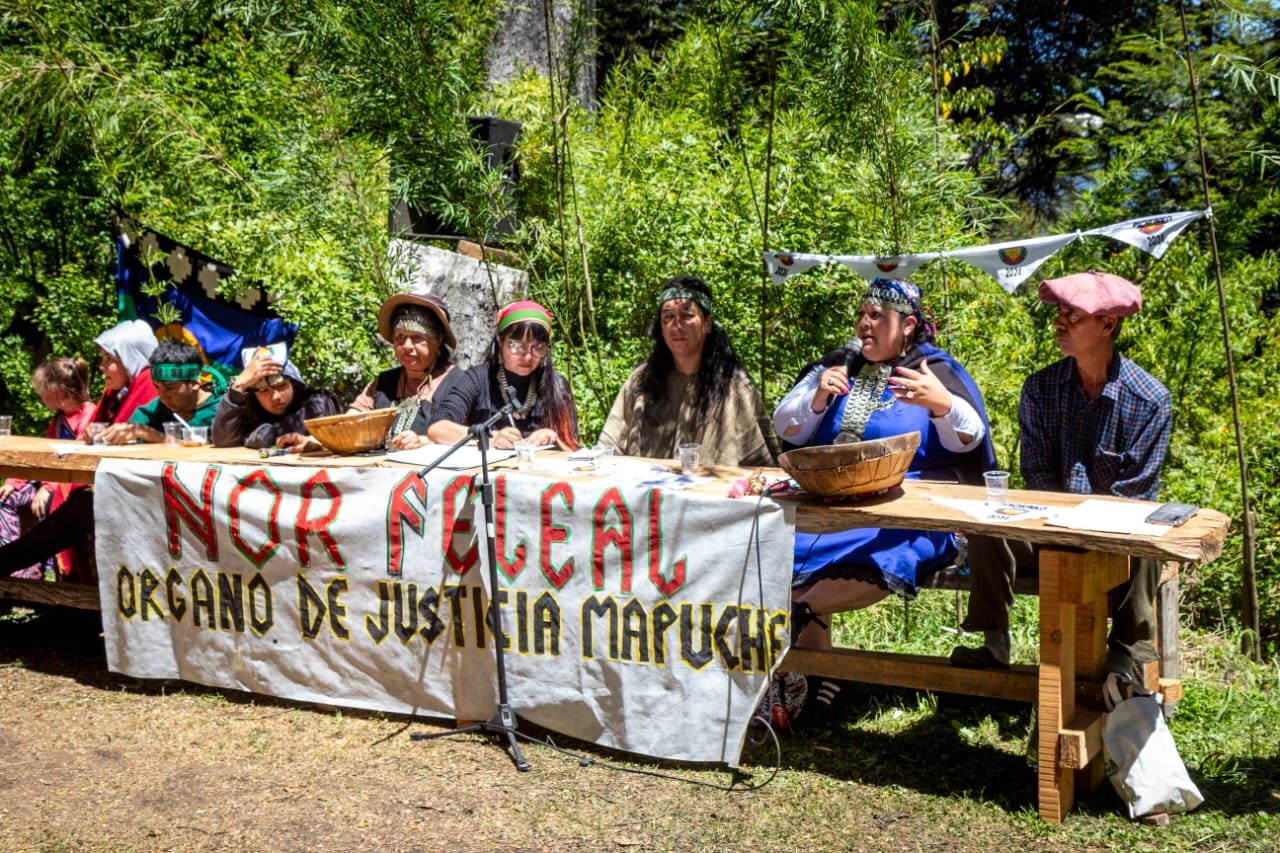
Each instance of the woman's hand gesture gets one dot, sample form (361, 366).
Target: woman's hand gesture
(921, 388)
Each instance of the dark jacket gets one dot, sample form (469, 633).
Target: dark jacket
(241, 420)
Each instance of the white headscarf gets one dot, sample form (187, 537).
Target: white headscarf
(132, 342)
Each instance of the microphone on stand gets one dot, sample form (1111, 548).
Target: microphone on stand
(513, 403)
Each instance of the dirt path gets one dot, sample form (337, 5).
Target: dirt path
(92, 761)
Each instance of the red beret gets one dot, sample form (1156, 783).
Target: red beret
(1093, 292)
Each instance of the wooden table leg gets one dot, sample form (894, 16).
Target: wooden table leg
(1091, 659)
(1057, 696)
(1073, 636)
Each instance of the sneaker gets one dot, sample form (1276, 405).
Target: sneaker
(823, 701)
(784, 701)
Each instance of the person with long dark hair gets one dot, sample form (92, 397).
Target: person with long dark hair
(895, 382)
(520, 360)
(691, 389)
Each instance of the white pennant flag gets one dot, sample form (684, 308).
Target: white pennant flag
(783, 265)
(1013, 262)
(1151, 234)
(881, 266)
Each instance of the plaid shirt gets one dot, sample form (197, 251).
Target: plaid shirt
(1111, 445)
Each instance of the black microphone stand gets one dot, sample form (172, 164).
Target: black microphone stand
(504, 719)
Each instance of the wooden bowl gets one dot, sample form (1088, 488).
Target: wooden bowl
(352, 433)
(857, 470)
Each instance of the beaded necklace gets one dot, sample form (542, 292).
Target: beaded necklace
(529, 400)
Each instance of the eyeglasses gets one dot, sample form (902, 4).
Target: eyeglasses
(520, 348)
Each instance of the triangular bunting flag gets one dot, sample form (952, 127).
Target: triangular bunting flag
(1151, 234)
(783, 265)
(1014, 262)
(881, 266)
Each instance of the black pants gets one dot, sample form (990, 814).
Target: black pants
(68, 526)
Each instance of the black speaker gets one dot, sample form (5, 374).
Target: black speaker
(497, 140)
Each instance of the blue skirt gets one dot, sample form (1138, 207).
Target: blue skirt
(891, 559)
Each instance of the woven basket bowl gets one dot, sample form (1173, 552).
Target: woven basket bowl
(352, 433)
(860, 469)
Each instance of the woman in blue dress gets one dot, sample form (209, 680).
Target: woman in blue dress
(893, 380)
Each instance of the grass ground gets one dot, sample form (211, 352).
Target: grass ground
(95, 762)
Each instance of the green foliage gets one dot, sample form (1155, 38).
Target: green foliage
(272, 135)
(261, 133)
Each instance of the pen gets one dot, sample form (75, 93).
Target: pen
(264, 452)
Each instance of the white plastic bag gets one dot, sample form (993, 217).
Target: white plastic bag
(1141, 759)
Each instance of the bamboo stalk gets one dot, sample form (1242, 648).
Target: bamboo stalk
(1248, 580)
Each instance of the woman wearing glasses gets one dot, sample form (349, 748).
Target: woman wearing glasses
(692, 388)
(519, 360)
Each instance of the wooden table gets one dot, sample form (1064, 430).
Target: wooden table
(1077, 569)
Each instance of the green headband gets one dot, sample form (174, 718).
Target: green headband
(167, 372)
(698, 298)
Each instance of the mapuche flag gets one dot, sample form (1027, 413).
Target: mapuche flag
(220, 326)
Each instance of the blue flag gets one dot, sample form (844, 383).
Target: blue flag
(220, 327)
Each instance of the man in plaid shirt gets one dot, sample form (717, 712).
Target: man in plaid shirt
(1092, 423)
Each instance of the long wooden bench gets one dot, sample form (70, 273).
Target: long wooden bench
(957, 578)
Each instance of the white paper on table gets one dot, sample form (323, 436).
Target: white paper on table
(982, 511)
(1108, 517)
(630, 470)
(467, 456)
(91, 449)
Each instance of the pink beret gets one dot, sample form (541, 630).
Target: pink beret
(1093, 292)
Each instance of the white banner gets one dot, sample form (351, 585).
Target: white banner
(635, 618)
(871, 267)
(1151, 234)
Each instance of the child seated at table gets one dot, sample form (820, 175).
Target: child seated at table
(63, 387)
(176, 371)
(268, 404)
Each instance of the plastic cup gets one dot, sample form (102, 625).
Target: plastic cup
(997, 486)
(195, 436)
(524, 454)
(95, 431)
(173, 433)
(6, 426)
(689, 458)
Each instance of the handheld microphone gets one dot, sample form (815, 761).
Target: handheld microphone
(852, 347)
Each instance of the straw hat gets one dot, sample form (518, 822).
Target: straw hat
(429, 301)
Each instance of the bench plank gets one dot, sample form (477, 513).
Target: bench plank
(82, 596)
(918, 672)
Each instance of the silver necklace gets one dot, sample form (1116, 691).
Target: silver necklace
(864, 401)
